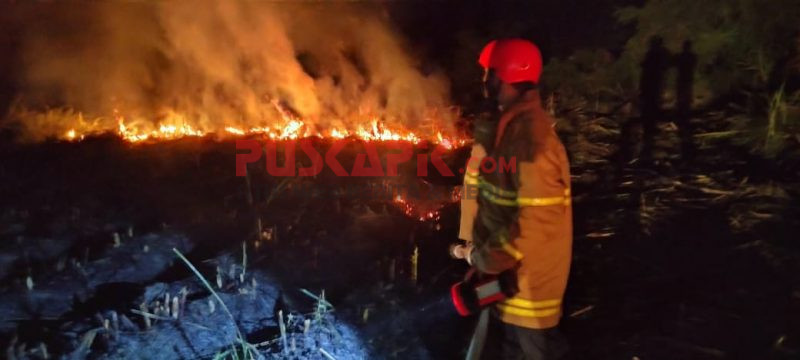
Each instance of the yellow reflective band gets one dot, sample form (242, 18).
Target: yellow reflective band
(543, 201)
(527, 312)
(529, 304)
(470, 181)
(511, 250)
(498, 200)
(497, 190)
(523, 201)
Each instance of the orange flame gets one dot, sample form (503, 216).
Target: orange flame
(175, 126)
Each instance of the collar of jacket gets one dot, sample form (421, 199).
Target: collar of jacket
(529, 101)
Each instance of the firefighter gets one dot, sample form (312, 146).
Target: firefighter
(520, 222)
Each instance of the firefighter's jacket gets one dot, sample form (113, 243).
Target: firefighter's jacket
(516, 211)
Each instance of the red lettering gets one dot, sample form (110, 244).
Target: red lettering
(332, 162)
(508, 167)
(375, 161)
(422, 165)
(313, 154)
(488, 160)
(288, 168)
(393, 159)
(242, 159)
(438, 163)
(470, 162)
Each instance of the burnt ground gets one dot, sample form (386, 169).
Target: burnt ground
(697, 261)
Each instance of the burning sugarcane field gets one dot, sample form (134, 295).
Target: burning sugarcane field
(471, 179)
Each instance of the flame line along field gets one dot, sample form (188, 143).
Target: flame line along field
(173, 125)
(373, 130)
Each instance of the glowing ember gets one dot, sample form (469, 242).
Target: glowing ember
(423, 210)
(71, 135)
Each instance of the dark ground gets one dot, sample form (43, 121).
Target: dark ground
(701, 263)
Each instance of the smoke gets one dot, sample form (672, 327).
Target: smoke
(213, 64)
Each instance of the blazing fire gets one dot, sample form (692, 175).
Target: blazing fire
(229, 69)
(373, 130)
(291, 127)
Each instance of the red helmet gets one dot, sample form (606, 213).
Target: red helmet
(513, 60)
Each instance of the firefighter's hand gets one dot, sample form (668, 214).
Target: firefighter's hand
(462, 252)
